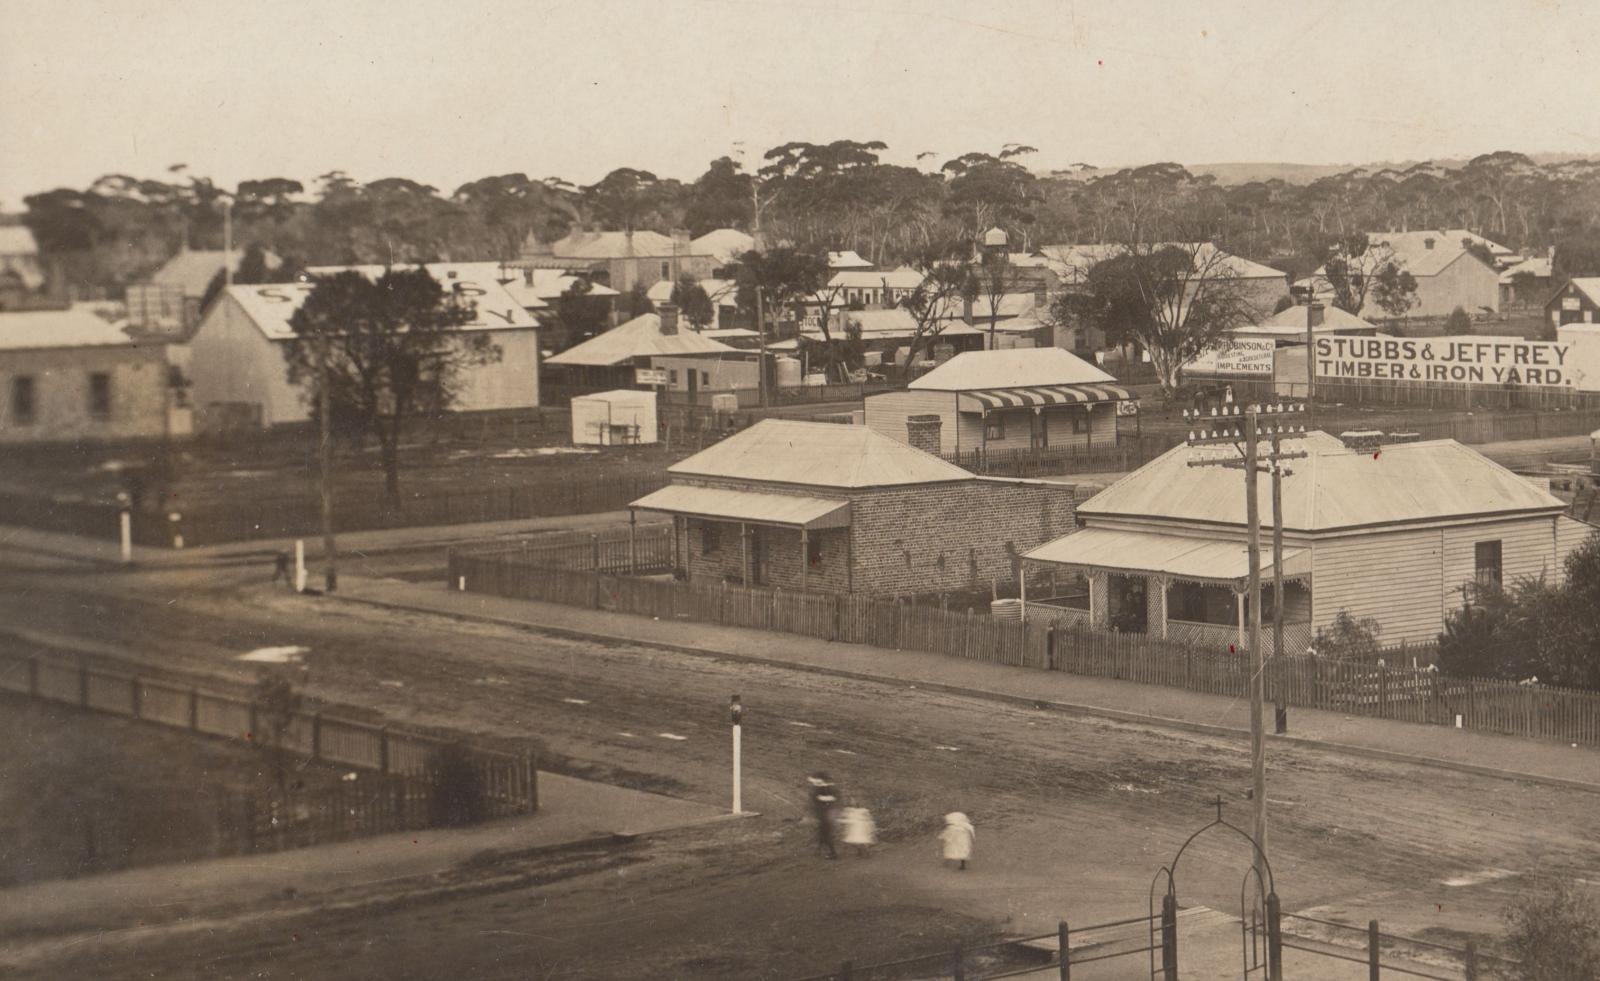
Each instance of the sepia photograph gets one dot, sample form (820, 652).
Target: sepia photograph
(576, 490)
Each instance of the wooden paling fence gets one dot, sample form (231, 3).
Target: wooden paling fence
(1365, 687)
(398, 761)
(645, 551)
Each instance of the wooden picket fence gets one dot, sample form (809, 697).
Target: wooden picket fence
(644, 551)
(1373, 687)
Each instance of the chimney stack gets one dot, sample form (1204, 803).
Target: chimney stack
(668, 312)
(923, 432)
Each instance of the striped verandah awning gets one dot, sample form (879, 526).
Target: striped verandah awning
(1036, 396)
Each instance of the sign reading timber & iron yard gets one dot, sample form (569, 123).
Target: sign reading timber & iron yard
(1475, 360)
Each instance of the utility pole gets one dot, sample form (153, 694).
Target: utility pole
(330, 548)
(761, 329)
(1241, 428)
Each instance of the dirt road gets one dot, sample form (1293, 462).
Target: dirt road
(1074, 816)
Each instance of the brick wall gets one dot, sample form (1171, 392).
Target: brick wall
(139, 393)
(937, 537)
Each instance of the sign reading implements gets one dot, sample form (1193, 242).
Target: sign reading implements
(1235, 356)
(1477, 360)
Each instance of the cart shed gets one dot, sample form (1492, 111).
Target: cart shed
(616, 418)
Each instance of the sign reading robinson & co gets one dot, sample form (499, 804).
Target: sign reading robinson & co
(1477, 360)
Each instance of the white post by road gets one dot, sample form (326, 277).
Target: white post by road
(125, 519)
(737, 711)
(299, 565)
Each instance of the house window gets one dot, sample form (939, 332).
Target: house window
(1486, 564)
(1080, 422)
(813, 551)
(709, 543)
(672, 376)
(994, 426)
(705, 379)
(22, 400)
(100, 395)
(666, 270)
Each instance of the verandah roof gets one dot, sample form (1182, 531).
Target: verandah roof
(752, 507)
(1179, 556)
(984, 400)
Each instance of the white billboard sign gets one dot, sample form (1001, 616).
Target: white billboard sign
(1236, 356)
(650, 376)
(1471, 360)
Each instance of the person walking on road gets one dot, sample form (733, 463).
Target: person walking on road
(280, 569)
(957, 836)
(858, 829)
(824, 803)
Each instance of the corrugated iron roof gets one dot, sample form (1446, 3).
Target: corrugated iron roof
(723, 244)
(77, 326)
(1291, 321)
(1197, 559)
(847, 260)
(639, 337)
(270, 306)
(819, 454)
(1335, 487)
(755, 507)
(1016, 368)
(903, 278)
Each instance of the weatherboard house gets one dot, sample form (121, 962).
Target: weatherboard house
(839, 508)
(1400, 534)
(240, 373)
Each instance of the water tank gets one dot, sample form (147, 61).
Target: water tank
(817, 379)
(1006, 609)
(788, 372)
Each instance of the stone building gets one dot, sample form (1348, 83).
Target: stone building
(73, 375)
(820, 506)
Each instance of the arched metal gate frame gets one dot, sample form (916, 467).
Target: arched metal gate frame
(1260, 933)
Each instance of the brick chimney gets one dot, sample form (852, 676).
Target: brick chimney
(668, 312)
(923, 432)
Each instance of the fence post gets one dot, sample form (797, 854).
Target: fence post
(1274, 938)
(1383, 690)
(1169, 937)
(1065, 955)
(1373, 968)
(33, 677)
(316, 735)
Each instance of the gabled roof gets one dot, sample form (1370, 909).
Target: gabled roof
(195, 269)
(615, 245)
(1411, 249)
(1291, 322)
(1073, 262)
(1333, 488)
(638, 338)
(847, 260)
(1015, 368)
(269, 306)
(723, 244)
(548, 284)
(818, 454)
(17, 240)
(512, 279)
(1587, 285)
(1538, 266)
(903, 278)
(77, 326)
(1020, 306)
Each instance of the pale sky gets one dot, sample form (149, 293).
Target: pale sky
(444, 92)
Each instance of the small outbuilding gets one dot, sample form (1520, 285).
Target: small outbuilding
(625, 417)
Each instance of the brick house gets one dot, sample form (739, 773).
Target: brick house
(826, 507)
(74, 375)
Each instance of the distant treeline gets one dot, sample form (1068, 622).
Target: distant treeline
(837, 196)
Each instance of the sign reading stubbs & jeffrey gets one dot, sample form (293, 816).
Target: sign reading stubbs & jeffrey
(1475, 360)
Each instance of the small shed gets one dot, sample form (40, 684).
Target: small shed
(623, 417)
